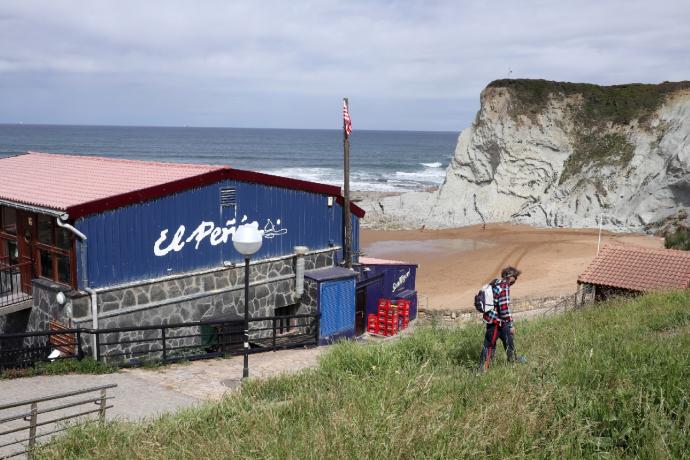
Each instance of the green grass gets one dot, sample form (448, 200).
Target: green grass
(598, 149)
(595, 112)
(59, 367)
(609, 381)
(618, 104)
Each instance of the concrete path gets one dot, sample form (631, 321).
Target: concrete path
(134, 398)
(145, 393)
(211, 379)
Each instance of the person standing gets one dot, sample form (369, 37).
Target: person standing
(499, 322)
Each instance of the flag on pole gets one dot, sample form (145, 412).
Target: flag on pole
(347, 123)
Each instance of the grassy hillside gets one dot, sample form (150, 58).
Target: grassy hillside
(617, 104)
(597, 114)
(611, 380)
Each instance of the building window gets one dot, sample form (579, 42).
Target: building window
(9, 251)
(54, 252)
(8, 220)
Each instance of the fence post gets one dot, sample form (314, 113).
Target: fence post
(274, 333)
(32, 428)
(101, 411)
(317, 320)
(165, 351)
(98, 344)
(80, 351)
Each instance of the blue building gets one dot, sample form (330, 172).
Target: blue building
(139, 243)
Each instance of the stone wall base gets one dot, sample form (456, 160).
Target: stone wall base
(199, 296)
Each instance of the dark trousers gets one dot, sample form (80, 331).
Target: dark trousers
(493, 333)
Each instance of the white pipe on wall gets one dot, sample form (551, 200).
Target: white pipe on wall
(69, 227)
(300, 252)
(94, 296)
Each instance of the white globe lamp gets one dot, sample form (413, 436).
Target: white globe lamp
(247, 240)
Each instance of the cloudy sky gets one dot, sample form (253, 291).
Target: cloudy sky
(417, 65)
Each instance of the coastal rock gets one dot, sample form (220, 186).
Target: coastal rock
(560, 155)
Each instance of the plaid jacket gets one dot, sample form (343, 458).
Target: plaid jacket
(501, 312)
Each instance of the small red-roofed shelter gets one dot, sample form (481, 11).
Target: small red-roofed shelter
(621, 269)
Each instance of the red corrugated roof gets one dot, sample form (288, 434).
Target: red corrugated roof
(638, 269)
(83, 185)
(64, 181)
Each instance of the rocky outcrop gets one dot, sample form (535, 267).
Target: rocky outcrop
(561, 154)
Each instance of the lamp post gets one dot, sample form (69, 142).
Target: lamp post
(247, 240)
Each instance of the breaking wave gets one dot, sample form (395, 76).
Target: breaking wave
(363, 181)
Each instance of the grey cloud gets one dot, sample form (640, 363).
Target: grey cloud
(400, 52)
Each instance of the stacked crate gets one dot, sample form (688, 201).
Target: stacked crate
(373, 324)
(404, 313)
(390, 318)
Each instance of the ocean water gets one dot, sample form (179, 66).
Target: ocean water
(379, 160)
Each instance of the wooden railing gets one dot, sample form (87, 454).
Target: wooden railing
(21, 429)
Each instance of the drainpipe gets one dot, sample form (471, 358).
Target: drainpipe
(85, 279)
(300, 252)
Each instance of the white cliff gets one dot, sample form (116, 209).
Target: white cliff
(561, 157)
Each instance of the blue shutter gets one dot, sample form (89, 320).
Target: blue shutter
(337, 304)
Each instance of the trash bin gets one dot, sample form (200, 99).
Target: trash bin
(209, 338)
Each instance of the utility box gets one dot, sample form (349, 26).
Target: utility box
(335, 287)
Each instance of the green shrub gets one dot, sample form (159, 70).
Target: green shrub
(618, 104)
(680, 239)
(599, 149)
(59, 367)
(596, 111)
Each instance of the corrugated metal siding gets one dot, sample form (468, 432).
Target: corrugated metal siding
(337, 306)
(121, 241)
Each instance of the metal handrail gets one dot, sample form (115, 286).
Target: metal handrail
(165, 345)
(32, 416)
(57, 396)
(17, 265)
(12, 292)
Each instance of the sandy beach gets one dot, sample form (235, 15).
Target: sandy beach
(454, 263)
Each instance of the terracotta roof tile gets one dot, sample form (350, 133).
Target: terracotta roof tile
(639, 269)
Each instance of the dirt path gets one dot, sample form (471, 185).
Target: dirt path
(454, 263)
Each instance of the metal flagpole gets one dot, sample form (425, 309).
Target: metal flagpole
(347, 222)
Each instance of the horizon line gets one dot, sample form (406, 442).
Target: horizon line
(217, 127)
